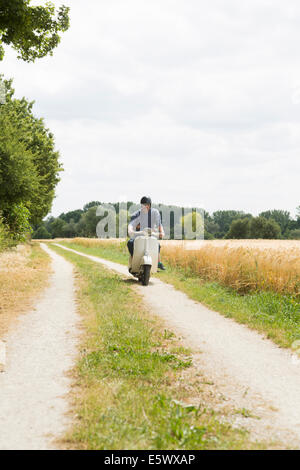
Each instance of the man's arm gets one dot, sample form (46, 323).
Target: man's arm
(161, 232)
(134, 221)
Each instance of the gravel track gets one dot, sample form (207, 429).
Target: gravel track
(39, 352)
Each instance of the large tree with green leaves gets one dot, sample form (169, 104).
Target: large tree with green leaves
(225, 218)
(33, 31)
(260, 227)
(29, 166)
(239, 229)
(283, 218)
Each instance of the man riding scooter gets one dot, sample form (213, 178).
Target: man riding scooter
(146, 217)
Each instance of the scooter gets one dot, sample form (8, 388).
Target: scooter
(145, 255)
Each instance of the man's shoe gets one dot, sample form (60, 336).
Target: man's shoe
(161, 266)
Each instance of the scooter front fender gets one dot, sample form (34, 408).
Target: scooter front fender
(147, 260)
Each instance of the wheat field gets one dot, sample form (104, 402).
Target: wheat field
(244, 265)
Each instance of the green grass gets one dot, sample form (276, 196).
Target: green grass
(129, 391)
(112, 252)
(246, 413)
(275, 315)
(38, 257)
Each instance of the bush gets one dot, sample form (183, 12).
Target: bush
(239, 229)
(6, 240)
(18, 222)
(295, 234)
(260, 227)
(208, 235)
(41, 233)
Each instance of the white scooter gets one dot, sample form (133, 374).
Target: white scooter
(145, 255)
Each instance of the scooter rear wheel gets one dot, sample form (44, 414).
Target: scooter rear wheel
(146, 274)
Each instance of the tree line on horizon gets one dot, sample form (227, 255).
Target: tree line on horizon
(221, 224)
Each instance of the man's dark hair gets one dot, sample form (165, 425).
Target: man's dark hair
(146, 200)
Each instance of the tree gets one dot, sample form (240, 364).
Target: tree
(260, 227)
(48, 224)
(57, 228)
(87, 206)
(18, 175)
(295, 234)
(208, 236)
(88, 223)
(41, 233)
(272, 230)
(18, 221)
(69, 230)
(239, 228)
(224, 220)
(29, 165)
(33, 31)
(211, 227)
(283, 218)
(72, 215)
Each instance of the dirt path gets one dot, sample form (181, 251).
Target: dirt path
(39, 352)
(248, 371)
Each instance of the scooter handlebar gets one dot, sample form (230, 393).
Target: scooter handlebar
(147, 232)
(155, 234)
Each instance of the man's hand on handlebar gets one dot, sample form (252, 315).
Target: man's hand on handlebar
(147, 231)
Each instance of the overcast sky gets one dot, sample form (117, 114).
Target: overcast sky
(192, 102)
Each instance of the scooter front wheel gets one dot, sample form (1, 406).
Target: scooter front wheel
(146, 274)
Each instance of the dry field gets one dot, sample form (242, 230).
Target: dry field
(23, 274)
(260, 244)
(245, 265)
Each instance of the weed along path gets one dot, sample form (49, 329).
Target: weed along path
(39, 351)
(244, 369)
